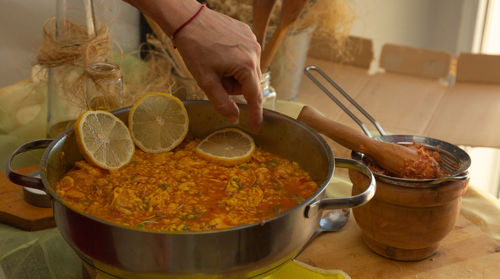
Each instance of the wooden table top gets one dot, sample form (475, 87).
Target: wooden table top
(467, 252)
(462, 114)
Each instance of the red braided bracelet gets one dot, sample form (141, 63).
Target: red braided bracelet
(187, 22)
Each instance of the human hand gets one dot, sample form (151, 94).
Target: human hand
(221, 53)
(223, 56)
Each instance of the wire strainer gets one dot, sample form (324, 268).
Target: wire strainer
(454, 161)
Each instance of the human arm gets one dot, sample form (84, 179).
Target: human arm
(221, 53)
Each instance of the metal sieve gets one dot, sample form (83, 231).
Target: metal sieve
(454, 161)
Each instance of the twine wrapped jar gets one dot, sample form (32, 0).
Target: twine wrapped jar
(71, 41)
(104, 86)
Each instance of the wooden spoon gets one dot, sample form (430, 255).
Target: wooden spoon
(390, 156)
(290, 11)
(261, 15)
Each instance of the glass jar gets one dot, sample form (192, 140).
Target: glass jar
(268, 93)
(66, 101)
(104, 86)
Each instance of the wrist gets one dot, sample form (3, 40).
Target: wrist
(179, 29)
(169, 14)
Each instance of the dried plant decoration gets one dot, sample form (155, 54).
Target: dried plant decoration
(332, 19)
(71, 49)
(184, 86)
(74, 49)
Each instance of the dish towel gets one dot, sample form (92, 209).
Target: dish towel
(299, 270)
(291, 270)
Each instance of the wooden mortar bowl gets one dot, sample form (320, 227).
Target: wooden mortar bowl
(406, 222)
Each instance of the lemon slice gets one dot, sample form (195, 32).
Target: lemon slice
(103, 139)
(228, 147)
(158, 122)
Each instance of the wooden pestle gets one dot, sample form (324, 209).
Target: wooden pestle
(290, 11)
(390, 156)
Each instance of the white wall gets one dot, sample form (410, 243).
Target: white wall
(21, 32)
(446, 25)
(20, 36)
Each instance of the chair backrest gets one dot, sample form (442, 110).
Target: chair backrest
(412, 61)
(478, 68)
(357, 51)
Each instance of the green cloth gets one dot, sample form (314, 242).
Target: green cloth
(40, 254)
(22, 119)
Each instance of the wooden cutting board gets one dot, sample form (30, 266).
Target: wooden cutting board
(15, 211)
(467, 252)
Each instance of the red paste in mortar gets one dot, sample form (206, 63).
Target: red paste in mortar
(425, 167)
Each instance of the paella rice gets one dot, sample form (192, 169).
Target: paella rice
(179, 191)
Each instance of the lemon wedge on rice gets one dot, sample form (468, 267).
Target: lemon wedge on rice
(158, 122)
(103, 139)
(228, 147)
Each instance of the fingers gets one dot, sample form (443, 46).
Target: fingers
(250, 84)
(247, 74)
(219, 98)
(223, 56)
(232, 86)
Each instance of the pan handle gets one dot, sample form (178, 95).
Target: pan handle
(21, 179)
(349, 202)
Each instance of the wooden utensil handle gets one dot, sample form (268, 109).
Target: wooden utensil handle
(271, 48)
(290, 11)
(344, 135)
(261, 14)
(390, 156)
